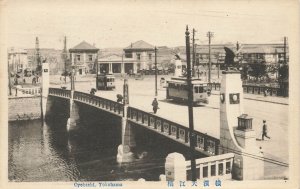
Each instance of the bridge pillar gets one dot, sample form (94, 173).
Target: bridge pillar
(45, 89)
(236, 134)
(74, 118)
(175, 167)
(128, 141)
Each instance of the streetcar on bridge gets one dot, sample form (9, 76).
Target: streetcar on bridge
(177, 90)
(105, 81)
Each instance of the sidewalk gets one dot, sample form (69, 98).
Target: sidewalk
(270, 99)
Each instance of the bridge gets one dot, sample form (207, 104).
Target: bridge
(236, 133)
(206, 144)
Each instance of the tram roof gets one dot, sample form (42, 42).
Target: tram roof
(184, 80)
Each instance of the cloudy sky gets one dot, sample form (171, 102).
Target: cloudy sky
(118, 23)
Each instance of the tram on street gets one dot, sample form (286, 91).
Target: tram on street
(105, 81)
(177, 90)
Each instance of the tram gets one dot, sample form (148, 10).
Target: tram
(177, 90)
(105, 81)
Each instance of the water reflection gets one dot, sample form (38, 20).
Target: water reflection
(47, 152)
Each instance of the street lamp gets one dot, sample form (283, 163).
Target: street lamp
(155, 52)
(190, 105)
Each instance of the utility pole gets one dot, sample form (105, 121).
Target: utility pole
(209, 35)
(37, 55)
(72, 74)
(65, 58)
(9, 79)
(190, 105)
(284, 49)
(155, 63)
(194, 62)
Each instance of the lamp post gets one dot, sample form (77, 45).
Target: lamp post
(155, 52)
(190, 105)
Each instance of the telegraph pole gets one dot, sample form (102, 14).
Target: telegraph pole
(9, 79)
(65, 58)
(194, 62)
(284, 49)
(190, 105)
(209, 35)
(155, 63)
(38, 58)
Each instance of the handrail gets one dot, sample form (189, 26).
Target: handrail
(204, 143)
(99, 102)
(219, 166)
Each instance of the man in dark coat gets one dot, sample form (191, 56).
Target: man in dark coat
(155, 105)
(265, 130)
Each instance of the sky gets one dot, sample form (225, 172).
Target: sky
(161, 23)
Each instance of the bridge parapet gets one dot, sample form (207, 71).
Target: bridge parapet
(204, 143)
(219, 167)
(99, 102)
(60, 92)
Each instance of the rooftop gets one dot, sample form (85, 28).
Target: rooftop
(140, 45)
(84, 46)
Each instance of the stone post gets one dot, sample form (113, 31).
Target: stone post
(236, 136)
(175, 167)
(46, 103)
(74, 118)
(128, 142)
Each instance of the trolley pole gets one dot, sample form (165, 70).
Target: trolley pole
(65, 58)
(209, 35)
(155, 52)
(190, 105)
(193, 63)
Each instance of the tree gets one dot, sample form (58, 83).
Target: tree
(257, 70)
(283, 72)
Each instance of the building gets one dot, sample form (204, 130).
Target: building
(136, 57)
(84, 56)
(248, 53)
(17, 60)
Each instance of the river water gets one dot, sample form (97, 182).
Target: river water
(47, 152)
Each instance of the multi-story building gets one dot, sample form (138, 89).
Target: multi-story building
(136, 57)
(248, 53)
(17, 60)
(84, 56)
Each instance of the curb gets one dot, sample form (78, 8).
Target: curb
(282, 103)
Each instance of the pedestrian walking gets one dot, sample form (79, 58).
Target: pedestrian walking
(155, 105)
(265, 130)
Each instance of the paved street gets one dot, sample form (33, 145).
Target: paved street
(207, 117)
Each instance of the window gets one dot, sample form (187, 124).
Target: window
(205, 171)
(200, 89)
(196, 89)
(128, 55)
(221, 169)
(138, 56)
(90, 57)
(213, 170)
(150, 56)
(78, 57)
(228, 167)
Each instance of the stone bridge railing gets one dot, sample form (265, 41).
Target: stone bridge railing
(99, 102)
(252, 89)
(204, 143)
(60, 92)
(219, 167)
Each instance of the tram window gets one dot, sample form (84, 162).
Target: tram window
(196, 89)
(204, 89)
(200, 89)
